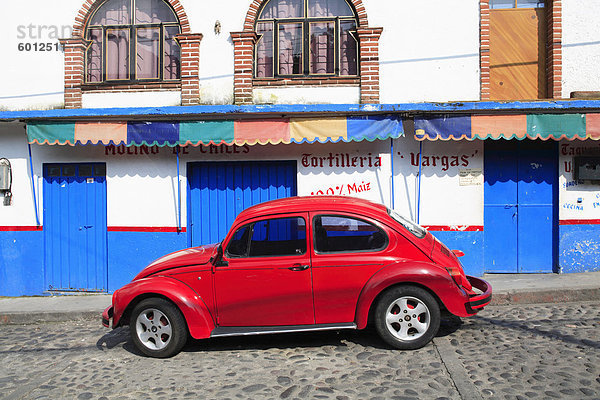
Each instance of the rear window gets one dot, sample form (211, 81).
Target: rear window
(338, 233)
(413, 228)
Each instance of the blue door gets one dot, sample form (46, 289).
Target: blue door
(520, 217)
(219, 191)
(75, 227)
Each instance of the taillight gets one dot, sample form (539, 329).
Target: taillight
(455, 274)
(459, 277)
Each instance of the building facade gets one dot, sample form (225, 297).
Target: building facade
(133, 128)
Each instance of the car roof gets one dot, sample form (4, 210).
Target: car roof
(312, 203)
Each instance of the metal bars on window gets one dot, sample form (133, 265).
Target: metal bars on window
(321, 44)
(127, 46)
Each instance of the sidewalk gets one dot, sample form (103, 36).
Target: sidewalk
(507, 289)
(26, 310)
(543, 288)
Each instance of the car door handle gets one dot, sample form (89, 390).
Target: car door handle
(298, 267)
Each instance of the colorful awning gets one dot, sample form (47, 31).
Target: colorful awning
(230, 132)
(532, 126)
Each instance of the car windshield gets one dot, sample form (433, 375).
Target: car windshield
(413, 228)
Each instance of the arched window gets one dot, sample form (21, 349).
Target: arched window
(306, 38)
(132, 40)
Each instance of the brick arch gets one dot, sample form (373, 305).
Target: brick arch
(252, 13)
(90, 5)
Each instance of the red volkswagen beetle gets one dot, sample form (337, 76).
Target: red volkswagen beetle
(300, 264)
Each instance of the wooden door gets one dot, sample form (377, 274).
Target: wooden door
(517, 54)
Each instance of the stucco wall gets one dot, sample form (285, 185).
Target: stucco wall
(13, 146)
(442, 199)
(428, 51)
(138, 99)
(30, 78)
(581, 46)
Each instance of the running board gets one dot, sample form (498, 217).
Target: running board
(222, 331)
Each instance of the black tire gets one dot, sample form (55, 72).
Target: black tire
(410, 330)
(158, 328)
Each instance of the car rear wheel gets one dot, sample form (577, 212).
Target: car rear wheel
(158, 328)
(407, 317)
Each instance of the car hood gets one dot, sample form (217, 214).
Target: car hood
(182, 258)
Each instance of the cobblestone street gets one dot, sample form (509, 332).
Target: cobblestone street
(506, 352)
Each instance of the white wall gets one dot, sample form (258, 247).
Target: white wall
(580, 46)
(13, 146)
(131, 99)
(428, 53)
(429, 50)
(307, 95)
(31, 79)
(352, 169)
(443, 200)
(216, 50)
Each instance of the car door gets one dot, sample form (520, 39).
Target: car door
(265, 276)
(348, 250)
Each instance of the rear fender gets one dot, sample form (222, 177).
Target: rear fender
(431, 277)
(199, 320)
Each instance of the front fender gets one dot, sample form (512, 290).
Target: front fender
(428, 275)
(199, 320)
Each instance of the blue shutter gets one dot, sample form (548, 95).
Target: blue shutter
(219, 191)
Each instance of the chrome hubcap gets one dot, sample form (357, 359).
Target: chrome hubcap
(153, 328)
(407, 318)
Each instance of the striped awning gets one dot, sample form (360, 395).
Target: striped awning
(229, 132)
(532, 126)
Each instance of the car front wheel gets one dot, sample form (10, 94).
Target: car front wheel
(158, 328)
(407, 317)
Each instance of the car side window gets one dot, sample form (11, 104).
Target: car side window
(278, 237)
(238, 245)
(334, 234)
(270, 237)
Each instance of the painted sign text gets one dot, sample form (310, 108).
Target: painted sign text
(348, 189)
(341, 160)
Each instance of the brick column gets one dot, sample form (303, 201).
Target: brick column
(74, 69)
(554, 49)
(369, 64)
(243, 50)
(484, 50)
(190, 63)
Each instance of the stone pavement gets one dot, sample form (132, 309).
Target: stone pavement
(538, 351)
(507, 289)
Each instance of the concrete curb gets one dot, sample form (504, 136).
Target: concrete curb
(545, 296)
(41, 317)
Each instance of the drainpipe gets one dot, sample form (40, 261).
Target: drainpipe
(178, 195)
(392, 164)
(35, 204)
(419, 184)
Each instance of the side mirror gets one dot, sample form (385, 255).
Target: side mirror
(217, 260)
